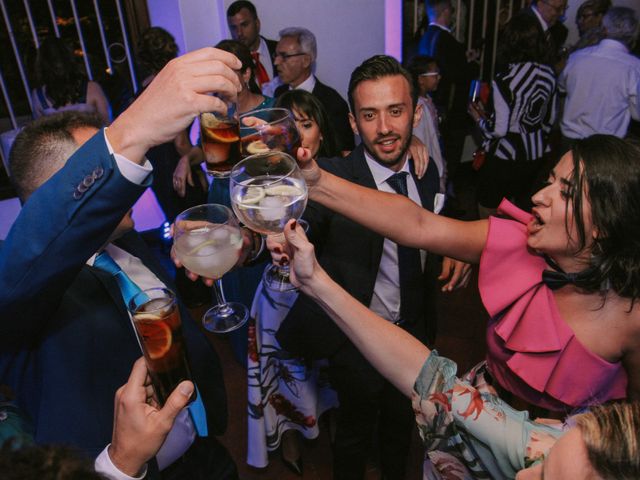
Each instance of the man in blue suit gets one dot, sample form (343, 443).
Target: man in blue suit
(66, 339)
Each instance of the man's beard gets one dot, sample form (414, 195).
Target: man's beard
(397, 159)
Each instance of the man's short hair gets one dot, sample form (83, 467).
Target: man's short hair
(238, 5)
(43, 147)
(621, 24)
(377, 67)
(436, 7)
(306, 39)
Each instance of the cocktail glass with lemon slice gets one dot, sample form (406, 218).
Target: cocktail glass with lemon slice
(267, 190)
(156, 318)
(220, 137)
(208, 241)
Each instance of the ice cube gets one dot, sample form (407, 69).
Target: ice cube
(271, 208)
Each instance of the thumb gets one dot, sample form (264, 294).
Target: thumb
(178, 399)
(304, 156)
(294, 233)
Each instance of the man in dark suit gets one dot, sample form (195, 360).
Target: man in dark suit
(66, 340)
(244, 26)
(550, 15)
(295, 57)
(397, 283)
(457, 70)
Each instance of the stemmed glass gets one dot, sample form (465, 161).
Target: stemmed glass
(208, 241)
(268, 129)
(267, 190)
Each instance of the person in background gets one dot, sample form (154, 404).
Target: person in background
(516, 134)
(294, 59)
(244, 26)
(602, 82)
(549, 16)
(589, 22)
(426, 76)
(273, 373)
(457, 68)
(62, 85)
(555, 282)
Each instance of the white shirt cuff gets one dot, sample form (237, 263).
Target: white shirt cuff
(131, 171)
(105, 466)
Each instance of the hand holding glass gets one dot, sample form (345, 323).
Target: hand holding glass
(267, 190)
(157, 321)
(208, 242)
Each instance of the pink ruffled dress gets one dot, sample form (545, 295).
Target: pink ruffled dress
(532, 352)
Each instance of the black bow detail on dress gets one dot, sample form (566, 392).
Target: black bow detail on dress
(558, 278)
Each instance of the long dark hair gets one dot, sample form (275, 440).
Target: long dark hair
(522, 40)
(310, 106)
(607, 168)
(156, 48)
(244, 55)
(57, 69)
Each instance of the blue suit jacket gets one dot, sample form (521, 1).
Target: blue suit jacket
(66, 341)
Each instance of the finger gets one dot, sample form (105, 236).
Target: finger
(252, 121)
(134, 388)
(445, 272)
(174, 257)
(190, 178)
(304, 155)
(294, 233)
(454, 279)
(208, 54)
(176, 402)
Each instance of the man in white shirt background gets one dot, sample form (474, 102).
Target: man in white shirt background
(602, 82)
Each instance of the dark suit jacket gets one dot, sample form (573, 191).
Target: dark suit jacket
(457, 73)
(556, 35)
(66, 340)
(337, 111)
(351, 255)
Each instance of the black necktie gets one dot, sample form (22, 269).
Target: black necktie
(409, 266)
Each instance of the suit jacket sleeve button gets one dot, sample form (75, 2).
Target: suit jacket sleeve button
(77, 194)
(88, 181)
(98, 172)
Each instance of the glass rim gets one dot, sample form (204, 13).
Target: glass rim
(181, 215)
(253, 113)
(170, 298)
(235, 171)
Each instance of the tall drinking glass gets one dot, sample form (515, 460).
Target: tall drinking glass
(157, 321)
(220, 138)
(267, 190)
(208, 241)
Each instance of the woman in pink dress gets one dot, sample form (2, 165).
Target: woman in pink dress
(560, 285)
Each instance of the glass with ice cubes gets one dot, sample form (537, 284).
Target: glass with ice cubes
(267, 190)
(208, 241)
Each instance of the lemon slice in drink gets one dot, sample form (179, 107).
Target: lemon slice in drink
(253, 195)
(257, 146)
(209, 120)
(283, 191)
(156, 337)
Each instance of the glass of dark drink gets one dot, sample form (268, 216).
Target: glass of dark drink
(268, 129)
(220, 137)
(157, 321)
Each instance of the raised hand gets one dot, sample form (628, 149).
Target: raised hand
(174, 98)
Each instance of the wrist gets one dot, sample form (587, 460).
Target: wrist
(124, 462)
(124, 140)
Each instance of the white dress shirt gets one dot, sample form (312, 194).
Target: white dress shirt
(308, 85)
(542, 21)
(602, 84)
(386, 291)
